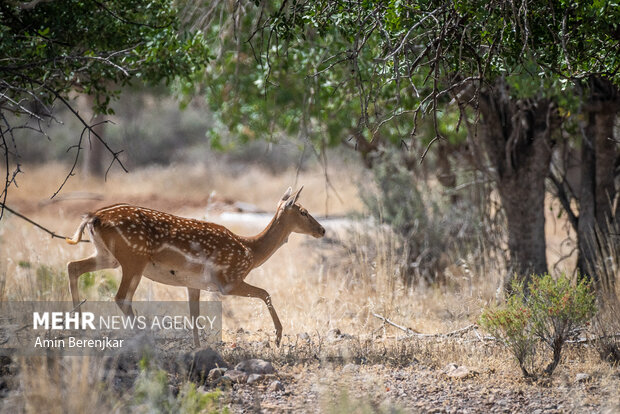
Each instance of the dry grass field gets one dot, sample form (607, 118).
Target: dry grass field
(336, 356)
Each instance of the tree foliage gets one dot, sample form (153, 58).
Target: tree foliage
(376, 61)
(369, 72)
(51, 48)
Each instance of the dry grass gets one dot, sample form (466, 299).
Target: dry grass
(316, 285)
(68, 385)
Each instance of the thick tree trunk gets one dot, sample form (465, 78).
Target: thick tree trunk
(599, 156)
(523, 198)
(587, 206)
(516, 136)
(606, 154)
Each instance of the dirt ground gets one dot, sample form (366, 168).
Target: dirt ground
(345, 373)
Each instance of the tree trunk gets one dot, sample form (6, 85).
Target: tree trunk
(94, 151)
(516, 136)
(599, 156)
(523, 198)
(587, 205)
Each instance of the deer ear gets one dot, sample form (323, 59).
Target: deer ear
(287, 194)
(293, 198)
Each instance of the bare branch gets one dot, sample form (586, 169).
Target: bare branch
(412, 333)
(34, 223)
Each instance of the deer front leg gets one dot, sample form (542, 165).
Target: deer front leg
(77, 268)
(244, 289)
(193, 296)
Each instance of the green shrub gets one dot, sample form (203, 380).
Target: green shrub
(547, 310)
(152, 394)
(511, 324)
(190, 400)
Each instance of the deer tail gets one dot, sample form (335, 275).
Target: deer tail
(78, 233)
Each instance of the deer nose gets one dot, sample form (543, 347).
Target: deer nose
(322, 231)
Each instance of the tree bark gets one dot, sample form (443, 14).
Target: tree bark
(587, 206)
(599, 150)
(516, 136)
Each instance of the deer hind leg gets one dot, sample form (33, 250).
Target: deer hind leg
(132, 274)
(77, 268)
(193, 296)
(246, 290)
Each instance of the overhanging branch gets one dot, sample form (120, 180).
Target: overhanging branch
(39, 226)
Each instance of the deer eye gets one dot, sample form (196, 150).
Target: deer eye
(304, 213)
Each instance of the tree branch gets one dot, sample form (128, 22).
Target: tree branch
(34, 223)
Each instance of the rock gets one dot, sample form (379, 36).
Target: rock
(223, 382)
(133, 350)
(304, 336)
(275, 386)
(255, 366)
(334, 335)
(454, 371)
(582, 377)
(216, 373)
(399, 376)
(236, 376)
(255, 378)
(450, 367)
(350, 369)
(122, 369)
(199, 364)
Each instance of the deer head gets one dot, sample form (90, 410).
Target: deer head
(297, 218)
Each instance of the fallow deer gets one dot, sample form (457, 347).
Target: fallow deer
(179, 251)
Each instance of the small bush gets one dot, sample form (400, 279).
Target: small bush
(546, 310)
(153, 394)
(511, 324)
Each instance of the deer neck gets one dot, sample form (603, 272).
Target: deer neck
(268, 241)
